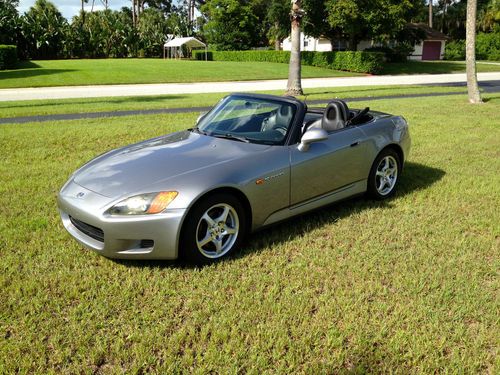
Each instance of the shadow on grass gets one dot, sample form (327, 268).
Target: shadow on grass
(30, 73)
(27, 65)
(96, 101)
(415, 177)
(340, 93)
(486, 100)
(422, 67)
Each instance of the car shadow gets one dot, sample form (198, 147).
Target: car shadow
(414, 178)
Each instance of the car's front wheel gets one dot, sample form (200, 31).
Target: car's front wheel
(384, 174)
(213, 229)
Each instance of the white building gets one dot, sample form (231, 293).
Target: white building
(309, 43)
(431, 48)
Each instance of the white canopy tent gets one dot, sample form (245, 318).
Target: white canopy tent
(173, 48)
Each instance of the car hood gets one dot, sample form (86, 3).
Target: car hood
(133, 168)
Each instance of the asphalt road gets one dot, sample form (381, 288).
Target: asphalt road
(486, 86)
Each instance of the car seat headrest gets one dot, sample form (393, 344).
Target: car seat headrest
(335, 116)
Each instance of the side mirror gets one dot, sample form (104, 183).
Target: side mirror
(311, 136)
(200, 117)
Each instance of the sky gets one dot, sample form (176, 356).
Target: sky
(70, 8)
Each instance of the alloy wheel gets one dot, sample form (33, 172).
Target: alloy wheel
(386, 175)
(217, 230)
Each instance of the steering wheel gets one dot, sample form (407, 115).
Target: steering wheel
(282, 129)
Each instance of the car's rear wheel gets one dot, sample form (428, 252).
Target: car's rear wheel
(384, 175)
(213, 229)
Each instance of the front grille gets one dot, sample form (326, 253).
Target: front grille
(89, 230)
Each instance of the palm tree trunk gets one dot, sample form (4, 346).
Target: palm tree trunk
(294, 86)
(470, 53)
(83, 14)
(133, 13)
(430, 13)
(277, 42)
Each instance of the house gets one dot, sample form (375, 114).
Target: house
(309, 43)
(431, 48)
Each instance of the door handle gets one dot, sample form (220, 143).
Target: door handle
(355, 144)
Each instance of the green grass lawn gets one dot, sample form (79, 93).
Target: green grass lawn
(409, 285)
(46, 107)
(120, 71)
(45, 73)
(434, 67)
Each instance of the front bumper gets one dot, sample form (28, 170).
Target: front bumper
(129, 237)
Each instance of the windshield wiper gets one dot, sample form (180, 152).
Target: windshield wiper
(232, 136)
(197, 130)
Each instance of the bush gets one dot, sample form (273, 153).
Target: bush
(487, 48)
(8, 56)
(387, 51)
(455, 50)
(353, 61)
(398, 53)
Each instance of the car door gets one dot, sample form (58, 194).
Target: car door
(328, 165)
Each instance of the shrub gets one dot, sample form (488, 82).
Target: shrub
(398, 53)
(8, 56)
(488, 46)
(353, 61)
(387, 51)
(455, 50)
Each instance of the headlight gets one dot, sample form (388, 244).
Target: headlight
(144, 204)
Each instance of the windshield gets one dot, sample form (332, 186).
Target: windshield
(249, 120)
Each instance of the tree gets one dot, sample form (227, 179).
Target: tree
(152, 28)
(44, 29)
(82, 11)
(230, 25)
(105, 33)
(178, 20)
(355, 20)
(430, 13)
(315, 22)
(489, 16)
(470, 53)
(294, 86)
(9, 21)
(278, 22)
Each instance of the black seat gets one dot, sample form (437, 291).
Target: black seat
(335, 116)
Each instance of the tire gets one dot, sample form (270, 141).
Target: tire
(214, 229)
(384, 175)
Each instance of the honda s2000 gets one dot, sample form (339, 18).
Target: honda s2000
(252, 161)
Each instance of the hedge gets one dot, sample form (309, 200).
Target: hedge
(8, 56)
(353, 61)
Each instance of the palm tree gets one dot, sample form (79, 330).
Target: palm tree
(470, 53)
(430, 13)
(294, 86)
(83, 11)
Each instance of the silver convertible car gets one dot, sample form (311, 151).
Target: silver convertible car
(252, 161)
